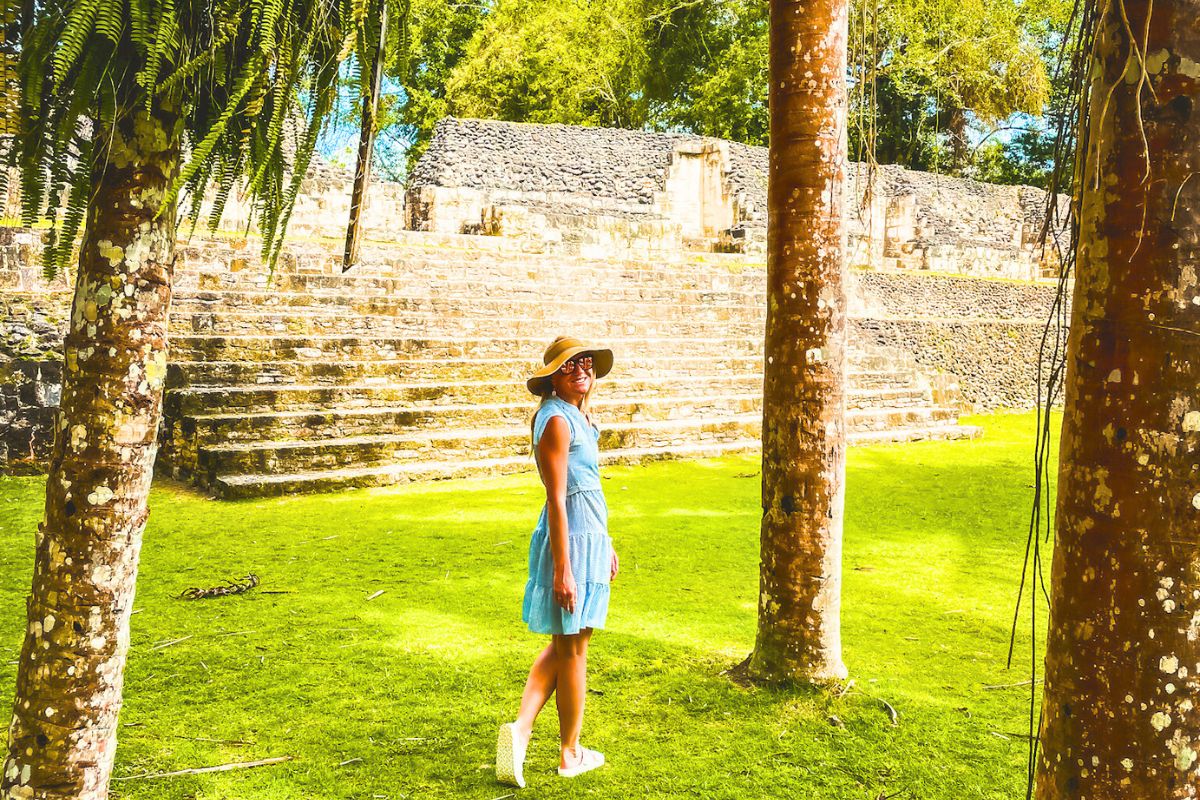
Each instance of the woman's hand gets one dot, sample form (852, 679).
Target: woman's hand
(614, 566)
(565, 590)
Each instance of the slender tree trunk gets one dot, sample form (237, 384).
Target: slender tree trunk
(1121, 716)
(64, 725)
(803, 472)
(366, 145)
(960, 145)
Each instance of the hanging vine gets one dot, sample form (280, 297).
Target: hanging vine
(1058, 243)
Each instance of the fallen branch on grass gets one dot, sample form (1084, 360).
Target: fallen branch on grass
(161, 645)
(1010, 685)
(230, 588)
(238, 742)
(199, 770)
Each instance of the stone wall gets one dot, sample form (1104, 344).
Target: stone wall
(897, 294)
(323, 207)
(663, 192)
(31, 330)
(610, 193)
(981, 335)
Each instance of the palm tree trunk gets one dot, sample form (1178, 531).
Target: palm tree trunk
(1121, 710)
(803, 472)
(64, 725)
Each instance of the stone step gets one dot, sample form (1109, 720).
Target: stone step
(274, 483)
(444, 265)
(255, 398)
(879, 378)
(316, 424)
(539, 290)
(181, 438)
(267, 398)
(549, 270)
(382, 373)
(486, 443)
(535, 278)
(872, 362)
(563, 308)
(333, 371)
(421, 324)
(945, 432)
(356, 348)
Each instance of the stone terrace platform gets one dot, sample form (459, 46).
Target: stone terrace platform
(411, 366)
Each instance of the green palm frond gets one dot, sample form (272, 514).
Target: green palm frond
(253, 82)
(80, 23)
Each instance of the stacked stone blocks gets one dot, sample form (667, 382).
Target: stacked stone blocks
(411, 366)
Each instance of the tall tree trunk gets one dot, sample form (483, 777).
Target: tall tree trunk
(366, 144)
(960, 144)
(803, 467)
(1121, 705)
(64, 725)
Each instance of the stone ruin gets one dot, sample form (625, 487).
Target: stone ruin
(411, 365)
(600, 191)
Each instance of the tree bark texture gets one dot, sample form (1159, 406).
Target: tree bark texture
(64, 727)
(1120, 716)
(804, 444)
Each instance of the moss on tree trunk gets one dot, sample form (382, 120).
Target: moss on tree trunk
(68, 695)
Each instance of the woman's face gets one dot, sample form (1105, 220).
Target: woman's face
(574, 384)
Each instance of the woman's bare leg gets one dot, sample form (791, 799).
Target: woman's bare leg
(570, 653)
(543, 676)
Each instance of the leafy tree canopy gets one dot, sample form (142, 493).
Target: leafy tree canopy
(945, 73)
(570, 61)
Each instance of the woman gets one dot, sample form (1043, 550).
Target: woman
(571, 559)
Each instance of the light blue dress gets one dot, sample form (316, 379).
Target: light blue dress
(588, 543)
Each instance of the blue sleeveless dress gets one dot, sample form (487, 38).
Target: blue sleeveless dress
(588, 543)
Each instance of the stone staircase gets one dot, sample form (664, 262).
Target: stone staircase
(411, 367)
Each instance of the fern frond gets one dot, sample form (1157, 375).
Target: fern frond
(81, 19)
(73, 215)
(231, 168)
(110, 21)
(141, 24)
(235, 74)
(206, 145)
(158, 47)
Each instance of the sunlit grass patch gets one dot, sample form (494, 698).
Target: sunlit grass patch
(385, 645)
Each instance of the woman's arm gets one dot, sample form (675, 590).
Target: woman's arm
(552, 457)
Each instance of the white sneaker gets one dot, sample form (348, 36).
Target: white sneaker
(510, 756)
(588, 761)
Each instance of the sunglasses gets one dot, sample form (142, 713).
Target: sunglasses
(579, 362)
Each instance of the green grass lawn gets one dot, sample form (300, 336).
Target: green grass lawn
(400, 696)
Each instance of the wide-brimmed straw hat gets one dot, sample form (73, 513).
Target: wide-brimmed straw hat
(562, 350)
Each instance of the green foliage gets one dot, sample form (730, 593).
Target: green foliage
(944, 72)
(438, 35)
(1027, 158)
(925, 71)
(709, 67)
(234, 72)
(571, 61)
